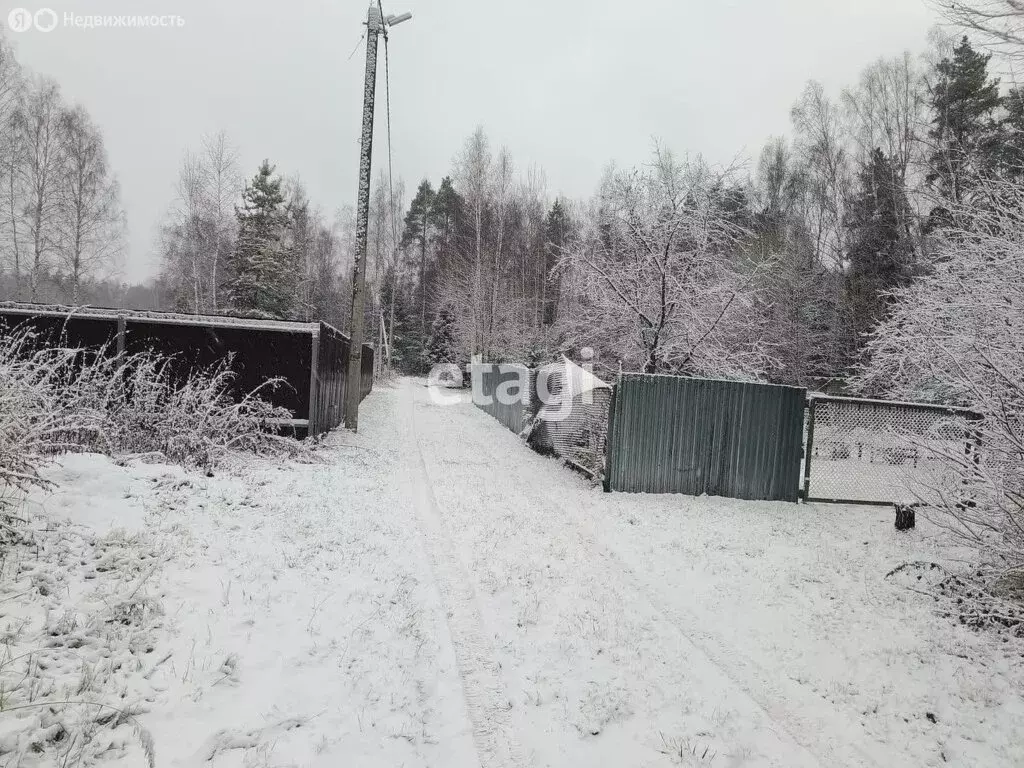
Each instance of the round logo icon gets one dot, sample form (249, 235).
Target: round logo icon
(19, 20)
(45, 20)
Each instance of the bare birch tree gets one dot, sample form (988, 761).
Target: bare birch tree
(223, 187)
(473, 170)
(90, 230)
(200, 232)
(12, 94)
(38, 124)
(503, 204)
(819, 142)
(887, 109)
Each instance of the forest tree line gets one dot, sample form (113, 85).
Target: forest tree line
(778, 269)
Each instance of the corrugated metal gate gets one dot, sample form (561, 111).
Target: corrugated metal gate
(670, 434)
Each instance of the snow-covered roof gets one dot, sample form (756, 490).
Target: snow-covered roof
(170, 318)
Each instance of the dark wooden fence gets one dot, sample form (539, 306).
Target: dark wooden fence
(327, 388)
(312, 358)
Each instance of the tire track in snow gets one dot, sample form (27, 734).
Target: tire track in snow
(486, 700)
(511, 477)
(830, 741)
(755, 683)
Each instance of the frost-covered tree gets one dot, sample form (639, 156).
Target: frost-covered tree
(880, 251)
(796, 292)
(263, 270)
(12, 156)
(443, 346)
(316, 249)
(956, 336)
(964, 139)
(198, 239)
(467, 289)
(825, 166)
(886, 110)
(90, 235)
(418, 233)
(660, 290)
(558, 233)
(37, 124)
(999, 23)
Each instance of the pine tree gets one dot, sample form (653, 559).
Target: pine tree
(965, 132)
(557, 230)
(447, 214)
(419, 223)
(263, 275)
(407, 342)
(880, 249)
(1013, 135)
(442, 347)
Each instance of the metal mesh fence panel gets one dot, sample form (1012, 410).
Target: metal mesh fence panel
(574, 428)
(874, 451)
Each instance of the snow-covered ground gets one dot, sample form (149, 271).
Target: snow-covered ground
(432, 593)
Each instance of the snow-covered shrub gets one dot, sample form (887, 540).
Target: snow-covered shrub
(56, 399)
(956, 336)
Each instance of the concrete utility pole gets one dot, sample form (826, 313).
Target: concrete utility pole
(375, 25)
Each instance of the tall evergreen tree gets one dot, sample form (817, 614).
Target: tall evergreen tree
(1013, 134)
(419, 223)
(447, 213)
(965, 131)
(263, 275)
(880, 249)
(557, 231)
(443, 346)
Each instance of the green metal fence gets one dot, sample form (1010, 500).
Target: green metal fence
(490, 381)
(670, 434)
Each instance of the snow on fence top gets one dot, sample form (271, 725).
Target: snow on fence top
(153, 316)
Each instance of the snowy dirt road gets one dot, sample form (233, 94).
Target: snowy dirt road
(435, 594)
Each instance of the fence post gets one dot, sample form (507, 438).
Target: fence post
(809, 448)
(122, 324)
(609, 451)
(314, 388)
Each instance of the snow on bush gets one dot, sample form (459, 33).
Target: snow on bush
(58, 399)
(956, 336)
(76, 658)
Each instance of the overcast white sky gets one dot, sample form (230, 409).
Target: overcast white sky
(567, 85)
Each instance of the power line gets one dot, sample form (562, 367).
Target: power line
(358, 43)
